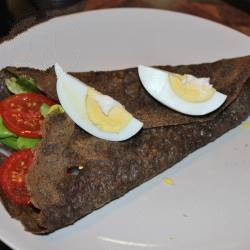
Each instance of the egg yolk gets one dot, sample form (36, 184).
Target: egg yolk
(190, 90)
(114, 121)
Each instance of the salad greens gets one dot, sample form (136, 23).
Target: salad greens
(4, 132)
(10, 142)
(21, 84)
(46, 109)
(24, 142)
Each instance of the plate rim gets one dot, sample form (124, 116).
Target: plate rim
(114, 9)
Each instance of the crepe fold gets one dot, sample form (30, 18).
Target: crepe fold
(75, 173)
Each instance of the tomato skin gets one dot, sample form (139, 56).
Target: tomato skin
(13, 174)
(21, 113)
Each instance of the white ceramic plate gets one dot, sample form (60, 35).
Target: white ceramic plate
(209, 205)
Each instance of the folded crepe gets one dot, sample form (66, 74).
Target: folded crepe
(62, 193)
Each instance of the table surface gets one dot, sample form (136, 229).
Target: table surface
(17, 16)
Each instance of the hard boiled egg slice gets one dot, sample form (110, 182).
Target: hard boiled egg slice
(98, 114)
(183, 93)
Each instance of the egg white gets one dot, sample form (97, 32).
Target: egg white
(72, 94)
(157, 84)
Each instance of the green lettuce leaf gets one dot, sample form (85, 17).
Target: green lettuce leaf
(24, 142)
(4, 132)
(21, 84)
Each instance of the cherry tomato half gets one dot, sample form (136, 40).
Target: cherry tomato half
(12, 176)
(21, 113)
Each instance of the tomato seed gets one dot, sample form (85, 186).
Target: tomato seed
(17, 176)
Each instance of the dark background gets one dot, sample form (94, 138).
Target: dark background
(14, 11)
(18, 15)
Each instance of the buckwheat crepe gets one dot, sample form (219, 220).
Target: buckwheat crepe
(62, 193)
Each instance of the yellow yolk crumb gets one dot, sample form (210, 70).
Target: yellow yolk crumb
(168, 181)
(190, 91)
(116, 119)
(246, 124)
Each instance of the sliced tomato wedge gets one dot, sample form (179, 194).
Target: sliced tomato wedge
(12, 176)
(21, 113)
